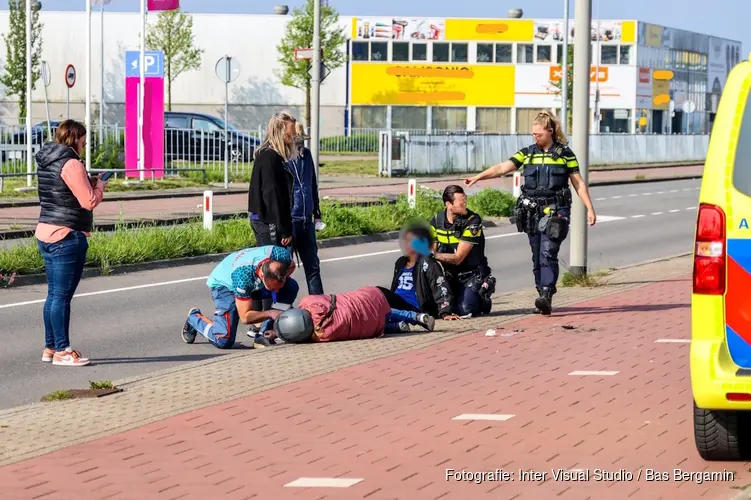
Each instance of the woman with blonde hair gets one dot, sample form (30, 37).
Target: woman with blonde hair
(543, 210)
(67, 197)
(270, 193)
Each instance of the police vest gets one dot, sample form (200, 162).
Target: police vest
(544, 174)
(448, 239)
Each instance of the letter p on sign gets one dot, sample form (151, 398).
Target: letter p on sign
(412, 193)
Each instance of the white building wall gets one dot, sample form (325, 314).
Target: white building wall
(251, 39)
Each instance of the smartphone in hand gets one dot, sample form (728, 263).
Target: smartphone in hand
(106, 176)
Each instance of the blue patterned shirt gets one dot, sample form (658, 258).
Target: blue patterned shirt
(238, 271)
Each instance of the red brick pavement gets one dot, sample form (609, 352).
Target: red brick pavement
(113, 211)
(390, 423)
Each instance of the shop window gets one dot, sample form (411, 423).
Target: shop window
(495, 120)
(447, 118)
(624, 54)
(409, 117)
(419, 52)
(485, 52)
(544, 54)
(369, 117)
(503, 53)
(609, 54)
(615, 121)
(360, 51)
(459, 52)
(400, 51)
(440, 52)
(524, 119)
(525, 53)
(379, 51)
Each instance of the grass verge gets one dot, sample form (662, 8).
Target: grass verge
(101, 384)
(571, 280)
(57, 396)
(150, 243)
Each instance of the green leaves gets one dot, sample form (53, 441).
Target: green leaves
(14, 78)
(173, 35)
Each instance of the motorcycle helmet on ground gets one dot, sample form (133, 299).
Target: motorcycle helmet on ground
(295, 326)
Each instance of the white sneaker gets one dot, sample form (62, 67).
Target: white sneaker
(69, 357)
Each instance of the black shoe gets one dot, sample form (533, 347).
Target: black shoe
(545, 302)
(188, 332)
(426, 321)
(487, 305)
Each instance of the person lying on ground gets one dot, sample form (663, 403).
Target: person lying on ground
(240, 278)
(360, 314)
(419, 281)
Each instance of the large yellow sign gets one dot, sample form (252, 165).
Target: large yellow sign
(510, 30)
(432, 84)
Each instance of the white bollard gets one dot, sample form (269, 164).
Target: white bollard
(412, 193)
(517, 184)
(208, 210)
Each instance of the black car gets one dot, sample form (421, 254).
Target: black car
(199, 137)
(38, 133)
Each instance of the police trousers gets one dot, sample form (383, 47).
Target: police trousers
(545, 255)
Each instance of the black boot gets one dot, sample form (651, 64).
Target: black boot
(545, 301)
(539, 294)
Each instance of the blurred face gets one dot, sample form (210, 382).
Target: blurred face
(542, 136)
(80, 145)
(459, 205)
(270, 282)
(289, 131)
(407, 246)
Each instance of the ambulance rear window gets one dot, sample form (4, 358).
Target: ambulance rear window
(742, 167)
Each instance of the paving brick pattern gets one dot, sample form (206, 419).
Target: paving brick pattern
(114, 211)
(389, 421)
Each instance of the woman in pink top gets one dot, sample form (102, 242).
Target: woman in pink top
(67, 196)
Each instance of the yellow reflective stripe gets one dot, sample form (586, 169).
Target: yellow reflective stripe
(547, 160)
(468, 234)
(433, 232)
(519, 156)
(572, 163)
(448, 240)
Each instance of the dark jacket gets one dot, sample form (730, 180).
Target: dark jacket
(59, 205)
(305, 204)
(433, 293)
(270, 192)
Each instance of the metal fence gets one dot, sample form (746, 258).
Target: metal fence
(446, 154)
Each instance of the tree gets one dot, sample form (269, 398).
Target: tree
(299, 35)
(173, 35)
(14, 78)
(559, 84)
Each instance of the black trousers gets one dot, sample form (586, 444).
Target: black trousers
(265, 234)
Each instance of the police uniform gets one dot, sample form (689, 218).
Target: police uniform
(470, 281)
(543, 210)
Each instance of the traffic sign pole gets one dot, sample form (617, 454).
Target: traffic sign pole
(315, 82)
(46, 82)
(88, 85)
(70, 80)
(141, 94)
(227, 70)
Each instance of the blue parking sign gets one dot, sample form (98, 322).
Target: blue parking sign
(154, 63)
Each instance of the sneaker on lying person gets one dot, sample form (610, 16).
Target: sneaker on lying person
(426, 321)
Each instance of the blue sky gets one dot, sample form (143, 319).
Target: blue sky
(726, 18)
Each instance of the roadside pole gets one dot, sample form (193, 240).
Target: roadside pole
(141, 95)
(29, 159)
(227, 69)
(315, 86)
(88, 85)
(582, 50)
(564, 81)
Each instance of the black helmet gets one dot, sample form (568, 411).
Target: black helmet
(295, 326)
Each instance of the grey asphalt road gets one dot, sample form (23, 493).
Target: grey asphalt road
(129, 325)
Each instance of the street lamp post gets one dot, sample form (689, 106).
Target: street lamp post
(582, 51)
(564, 84)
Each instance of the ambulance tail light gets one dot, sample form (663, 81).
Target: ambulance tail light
(710, 251)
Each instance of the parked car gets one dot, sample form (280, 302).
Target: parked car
(38, 133)
(199, 137)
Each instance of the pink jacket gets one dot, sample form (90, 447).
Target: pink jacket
(360, 314)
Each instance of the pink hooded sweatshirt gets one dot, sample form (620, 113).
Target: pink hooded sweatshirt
(360, 314)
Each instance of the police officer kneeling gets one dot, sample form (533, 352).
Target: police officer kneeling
(460, 247)
(543, 210)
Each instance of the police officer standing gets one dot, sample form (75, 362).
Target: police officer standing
(543, 210)
(460, 247)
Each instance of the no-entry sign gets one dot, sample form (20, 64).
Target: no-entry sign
(70, 76)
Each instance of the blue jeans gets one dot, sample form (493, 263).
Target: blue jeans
(396, 316)
(222, 330)
(63, 265)
(304, 239)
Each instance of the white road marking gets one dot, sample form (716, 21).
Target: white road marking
(616, 197)
(585, 373)
(497, 417)
(660, 192)
(608, 218)
(600, 199)
(646, 194)
(691, 208)
(323, 482)
(632, 195)
(673, 190)
(637, 216)
(656, 213)
(674, 211)
(672, 341)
